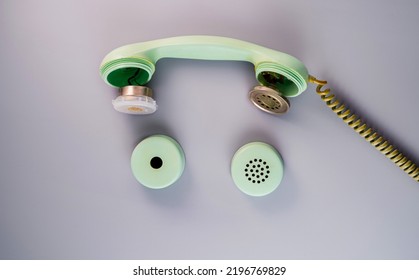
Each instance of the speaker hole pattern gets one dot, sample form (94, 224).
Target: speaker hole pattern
(268, 102)
(257, 171)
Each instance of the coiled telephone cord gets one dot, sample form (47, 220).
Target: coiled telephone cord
(354, 121)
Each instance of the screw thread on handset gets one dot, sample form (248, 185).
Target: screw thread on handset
(354, 121)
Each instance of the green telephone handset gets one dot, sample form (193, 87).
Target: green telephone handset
(280, 75)
(133, 65)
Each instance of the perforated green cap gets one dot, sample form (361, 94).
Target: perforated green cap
(257, 169)
(157, 161)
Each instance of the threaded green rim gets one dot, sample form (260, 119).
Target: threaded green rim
(298, 82)
(125, 63)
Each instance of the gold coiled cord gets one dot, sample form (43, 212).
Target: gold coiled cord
(378, 141)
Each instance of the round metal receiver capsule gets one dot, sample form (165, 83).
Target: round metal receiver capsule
(269, 100)
(135, 100)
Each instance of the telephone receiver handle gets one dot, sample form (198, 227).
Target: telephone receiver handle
(135, 64)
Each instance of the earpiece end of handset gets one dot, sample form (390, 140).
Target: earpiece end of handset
(135, 100)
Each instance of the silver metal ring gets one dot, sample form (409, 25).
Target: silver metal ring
(136, 91)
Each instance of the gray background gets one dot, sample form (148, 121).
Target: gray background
(66, 189)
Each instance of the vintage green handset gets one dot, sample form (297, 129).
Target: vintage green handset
(280, 76)
(134, 65)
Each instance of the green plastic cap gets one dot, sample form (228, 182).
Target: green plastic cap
(157, 162)
(257, 169)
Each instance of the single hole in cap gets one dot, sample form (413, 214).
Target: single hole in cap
(156, 162)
